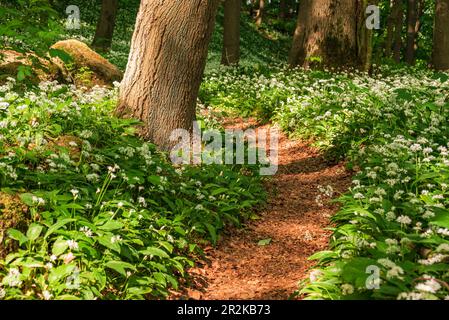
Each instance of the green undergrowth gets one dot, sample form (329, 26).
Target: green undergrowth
(107, 215)
(391, 236)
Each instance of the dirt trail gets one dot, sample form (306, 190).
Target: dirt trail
(238, 268)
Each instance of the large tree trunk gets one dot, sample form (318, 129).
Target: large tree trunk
(165, 66)
(334, 32)
(231, 32)
(260, 13)
(441, 36)
(105, 26)
(412, 17)
(399, 19)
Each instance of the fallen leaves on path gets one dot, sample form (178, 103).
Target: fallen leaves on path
(240, 267)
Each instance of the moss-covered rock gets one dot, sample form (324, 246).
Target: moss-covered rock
(84, 58)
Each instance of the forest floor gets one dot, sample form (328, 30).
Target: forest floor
(238, 267)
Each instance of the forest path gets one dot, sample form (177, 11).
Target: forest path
(239, 268)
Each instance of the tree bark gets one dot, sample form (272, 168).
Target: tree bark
(231, 32)
(389, 41)
(364, 36)
(165, 66)
(283, 9)
(105, 26)
(412, 17)
(332, 32)
(441, 36)
(260, 13)
(399, 19)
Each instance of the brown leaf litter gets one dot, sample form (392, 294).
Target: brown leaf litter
(238, 267)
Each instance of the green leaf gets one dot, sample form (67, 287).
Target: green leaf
(321, 255)
(156, 180)
(34, 231)
(219, 191)
(160, 278)
(120, 266)
(441, 218)
(355, 271)
(111, 225)
(59, 247)
(17, 235)
(27, 198)
(212, 232)
(152, 251)
(60, 223)
(264, 242)
(106, 241)
(60, 272)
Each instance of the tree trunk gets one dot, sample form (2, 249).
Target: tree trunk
(399, 19)
(105, 26)
(389, 41)
(231, 32)
(441, 36)
(260, 13)
(283, 9)
(364, 36)
(252, 5)
(165, 66)
(333, 33)
(412, 17)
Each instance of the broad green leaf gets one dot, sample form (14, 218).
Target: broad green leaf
(111, 225)
(27, 198)
(151, 251)
(61, 272)
(17, 235)
(59, 247)
(34, 231)
(120, 266)
(60, 223)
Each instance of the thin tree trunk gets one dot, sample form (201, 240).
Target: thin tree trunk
(420, 12)
(334, 33)
(283, 9)
(252, 5)
(389, 41)
(364, 36)
(399, 20)
(412, 16)
(231, 32)
(260, 13)
(105, 26)
(441, 36)
(165, 66)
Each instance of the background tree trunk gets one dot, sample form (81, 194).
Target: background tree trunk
(399, 19)
(412, 17)
(283, 9)
(364, 36)
(441, 36)
(389, 41)
(165, 66)
(260, 13)
(334, 32)
(231, 32)
(105, 26)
